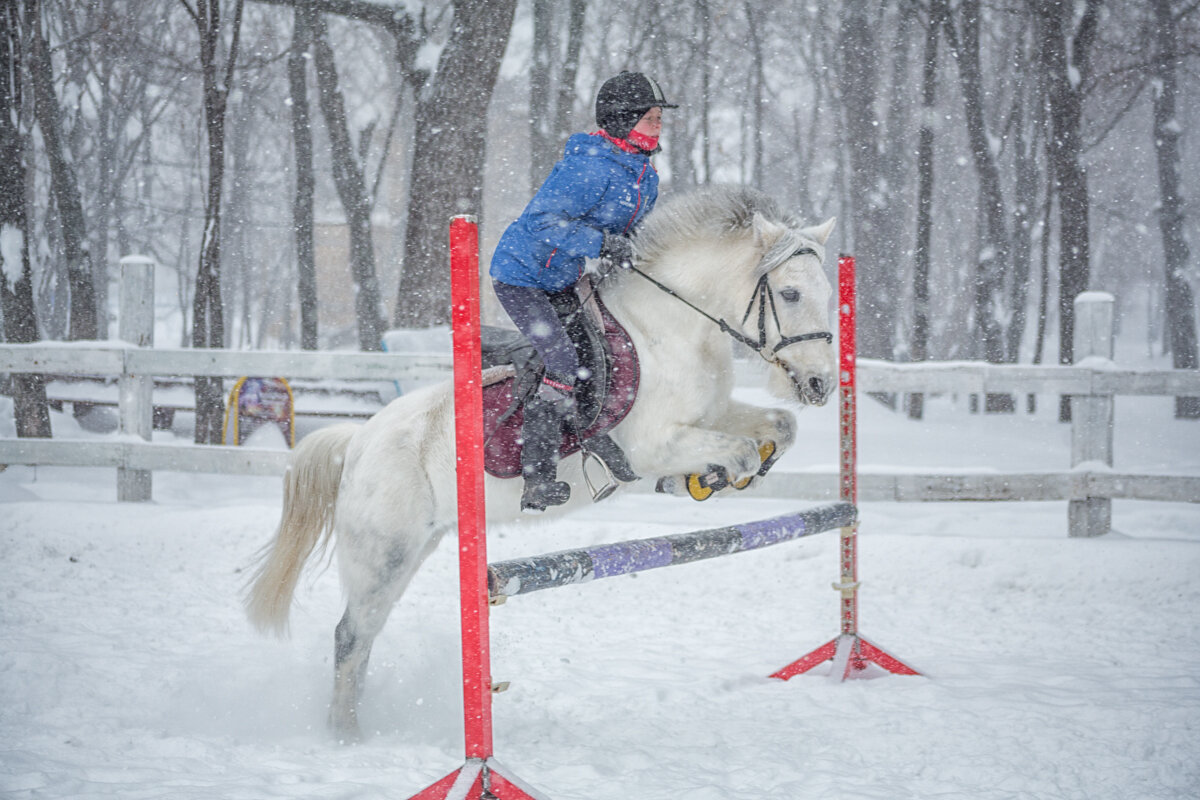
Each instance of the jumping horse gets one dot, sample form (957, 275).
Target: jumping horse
(714, 264)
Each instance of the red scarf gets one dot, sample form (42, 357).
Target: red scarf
(635, 143)
(641, 140)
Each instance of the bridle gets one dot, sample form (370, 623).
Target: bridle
(763, 296)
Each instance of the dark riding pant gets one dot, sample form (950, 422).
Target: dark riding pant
(534, 315)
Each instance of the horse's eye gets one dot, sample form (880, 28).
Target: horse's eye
(790, 295)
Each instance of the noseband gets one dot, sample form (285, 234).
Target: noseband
(764, 297)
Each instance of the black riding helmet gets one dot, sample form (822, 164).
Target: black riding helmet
(623, 100)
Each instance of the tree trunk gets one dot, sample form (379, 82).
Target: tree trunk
(570, 71)
(32, 415)
(302, 202)
(702, 11)
(757, 98)
(208, 313)
(350, 180)
(1181, 306)
(542, 152)
(989, 301)
(63, 184)
(1064, 62)
(919, 345)
(447, 173)
(1023, 220)
(858, 75)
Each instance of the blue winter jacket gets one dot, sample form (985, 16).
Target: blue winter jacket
(596, 188)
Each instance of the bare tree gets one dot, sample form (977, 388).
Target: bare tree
(542, 153)
(989, 304)
(16, 274)
(858, 79)
(349, 177)
(576, 14)
(550, 110)
(64, 186)
(919, 338)
(875, 210)
(757, 96)
(705, 18)
(305, 182)
(1181, 306)
(447, 175)
(1065, 55)
(1026, 124)
(208, 315)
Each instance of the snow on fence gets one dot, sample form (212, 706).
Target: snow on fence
(1089, 485)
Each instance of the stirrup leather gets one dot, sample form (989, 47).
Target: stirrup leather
(702, 487)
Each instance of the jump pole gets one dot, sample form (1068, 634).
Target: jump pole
(480, 778)
(850, 653)
(567, 567)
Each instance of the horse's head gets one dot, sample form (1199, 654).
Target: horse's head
(790, 311)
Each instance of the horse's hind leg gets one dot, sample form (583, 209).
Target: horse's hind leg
(373, 586)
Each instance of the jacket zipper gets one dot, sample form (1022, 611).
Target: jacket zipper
(638, 206)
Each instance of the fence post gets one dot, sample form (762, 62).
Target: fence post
(136, 401)
(1092, 414)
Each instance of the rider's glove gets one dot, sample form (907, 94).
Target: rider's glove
(617, 250)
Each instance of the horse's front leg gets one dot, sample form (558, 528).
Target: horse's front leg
(680, 448)
(775, 425)
(773, 431)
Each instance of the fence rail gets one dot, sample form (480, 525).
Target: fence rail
(1099, 377)
(945, 377)
(122, 359)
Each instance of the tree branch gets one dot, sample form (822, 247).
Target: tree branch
(191, 11)
(393, 18)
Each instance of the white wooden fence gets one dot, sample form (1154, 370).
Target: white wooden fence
(1089, 485)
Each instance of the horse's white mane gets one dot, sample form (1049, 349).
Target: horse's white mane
(713, 213)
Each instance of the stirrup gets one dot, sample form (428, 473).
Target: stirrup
(610, 482)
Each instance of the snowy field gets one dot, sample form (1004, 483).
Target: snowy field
(1054, 667)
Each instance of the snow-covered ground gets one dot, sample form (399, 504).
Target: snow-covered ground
(1053, 667)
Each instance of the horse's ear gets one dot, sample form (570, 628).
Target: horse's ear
(820, 233)
(765, 231)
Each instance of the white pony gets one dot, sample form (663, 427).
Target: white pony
(387, 486)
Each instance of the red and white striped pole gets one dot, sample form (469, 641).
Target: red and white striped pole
(479, 777)
(850, 653)
(848, 439)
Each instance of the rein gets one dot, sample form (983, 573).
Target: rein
(763, 296)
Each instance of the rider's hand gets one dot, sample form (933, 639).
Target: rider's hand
(617, 250)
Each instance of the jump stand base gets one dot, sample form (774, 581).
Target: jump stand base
(852, 657)
(478, 780)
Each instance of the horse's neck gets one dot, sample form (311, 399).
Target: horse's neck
(661, 317)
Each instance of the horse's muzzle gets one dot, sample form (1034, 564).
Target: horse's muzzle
(813, 390)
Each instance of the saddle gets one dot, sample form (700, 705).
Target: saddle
(513, 370)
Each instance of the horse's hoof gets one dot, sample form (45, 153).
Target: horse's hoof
(670, 484)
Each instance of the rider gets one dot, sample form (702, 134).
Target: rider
(588, 207)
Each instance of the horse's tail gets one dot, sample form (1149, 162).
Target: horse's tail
(310, 490)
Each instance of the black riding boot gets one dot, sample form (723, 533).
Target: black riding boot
(542, 434)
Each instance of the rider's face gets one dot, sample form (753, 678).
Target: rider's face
(651, 123)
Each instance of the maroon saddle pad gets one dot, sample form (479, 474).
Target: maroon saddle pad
(502, 434)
